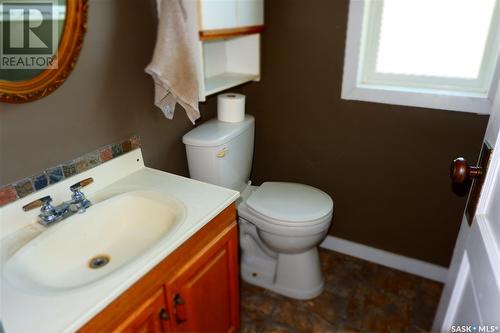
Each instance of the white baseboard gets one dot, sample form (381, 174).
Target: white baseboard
(388, 259)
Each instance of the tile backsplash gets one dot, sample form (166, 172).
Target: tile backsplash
(52, 175)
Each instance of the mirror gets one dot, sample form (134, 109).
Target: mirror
(39, 46)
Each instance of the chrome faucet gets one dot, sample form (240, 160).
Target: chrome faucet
(50, 214)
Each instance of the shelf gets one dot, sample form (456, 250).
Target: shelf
(220, 82)
(227, 63)
(230, 33)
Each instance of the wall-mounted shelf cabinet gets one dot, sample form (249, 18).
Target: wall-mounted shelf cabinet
(228, 43)
(229, 14)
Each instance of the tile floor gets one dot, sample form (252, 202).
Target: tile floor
(359, 296)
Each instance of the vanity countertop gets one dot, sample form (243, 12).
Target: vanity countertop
(66, 311)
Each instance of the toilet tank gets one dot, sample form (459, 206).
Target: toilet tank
(221, 153)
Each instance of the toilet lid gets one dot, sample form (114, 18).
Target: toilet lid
(290, 202)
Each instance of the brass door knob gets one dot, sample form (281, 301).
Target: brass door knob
(462, 172)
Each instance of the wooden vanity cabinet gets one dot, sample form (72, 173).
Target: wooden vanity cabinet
(203, 295)
(194, 289)
(149, 317)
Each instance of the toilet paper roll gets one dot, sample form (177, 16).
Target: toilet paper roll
(231, 107)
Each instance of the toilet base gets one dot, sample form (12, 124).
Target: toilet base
(294, 275)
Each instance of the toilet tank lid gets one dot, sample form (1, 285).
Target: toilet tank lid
(214, 132)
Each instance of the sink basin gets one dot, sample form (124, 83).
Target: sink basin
(87, 247)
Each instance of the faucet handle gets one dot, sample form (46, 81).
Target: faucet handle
(42, 202)
(80, 184)
(78, 197)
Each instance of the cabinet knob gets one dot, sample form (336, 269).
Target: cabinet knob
(461, 171)
(179, 309)
(164, 314)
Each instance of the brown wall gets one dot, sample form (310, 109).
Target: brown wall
(385, 166)
(107, 98)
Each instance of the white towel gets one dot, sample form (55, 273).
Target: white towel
(173, 67)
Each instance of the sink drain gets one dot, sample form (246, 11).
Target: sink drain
(99, 261)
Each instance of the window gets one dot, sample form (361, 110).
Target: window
(430, 53)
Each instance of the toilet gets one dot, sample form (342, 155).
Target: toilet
(280, 223)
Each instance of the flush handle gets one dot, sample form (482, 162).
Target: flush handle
(222, 153)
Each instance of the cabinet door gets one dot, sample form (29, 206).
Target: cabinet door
(250, 13)
(217, 14)
(147, 318)
(205, 296)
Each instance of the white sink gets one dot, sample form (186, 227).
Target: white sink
(120, 229)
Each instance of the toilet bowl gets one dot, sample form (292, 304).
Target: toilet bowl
(289, 220)
(280, 223)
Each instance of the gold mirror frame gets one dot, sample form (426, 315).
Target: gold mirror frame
(49, 80)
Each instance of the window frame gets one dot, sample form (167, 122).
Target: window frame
(378, 89)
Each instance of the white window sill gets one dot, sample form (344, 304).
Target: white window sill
(443, 100)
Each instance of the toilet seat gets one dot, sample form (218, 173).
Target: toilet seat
(290, 203)
(277, 227)
(288, 208)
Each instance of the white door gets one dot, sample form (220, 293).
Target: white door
(471, 298)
